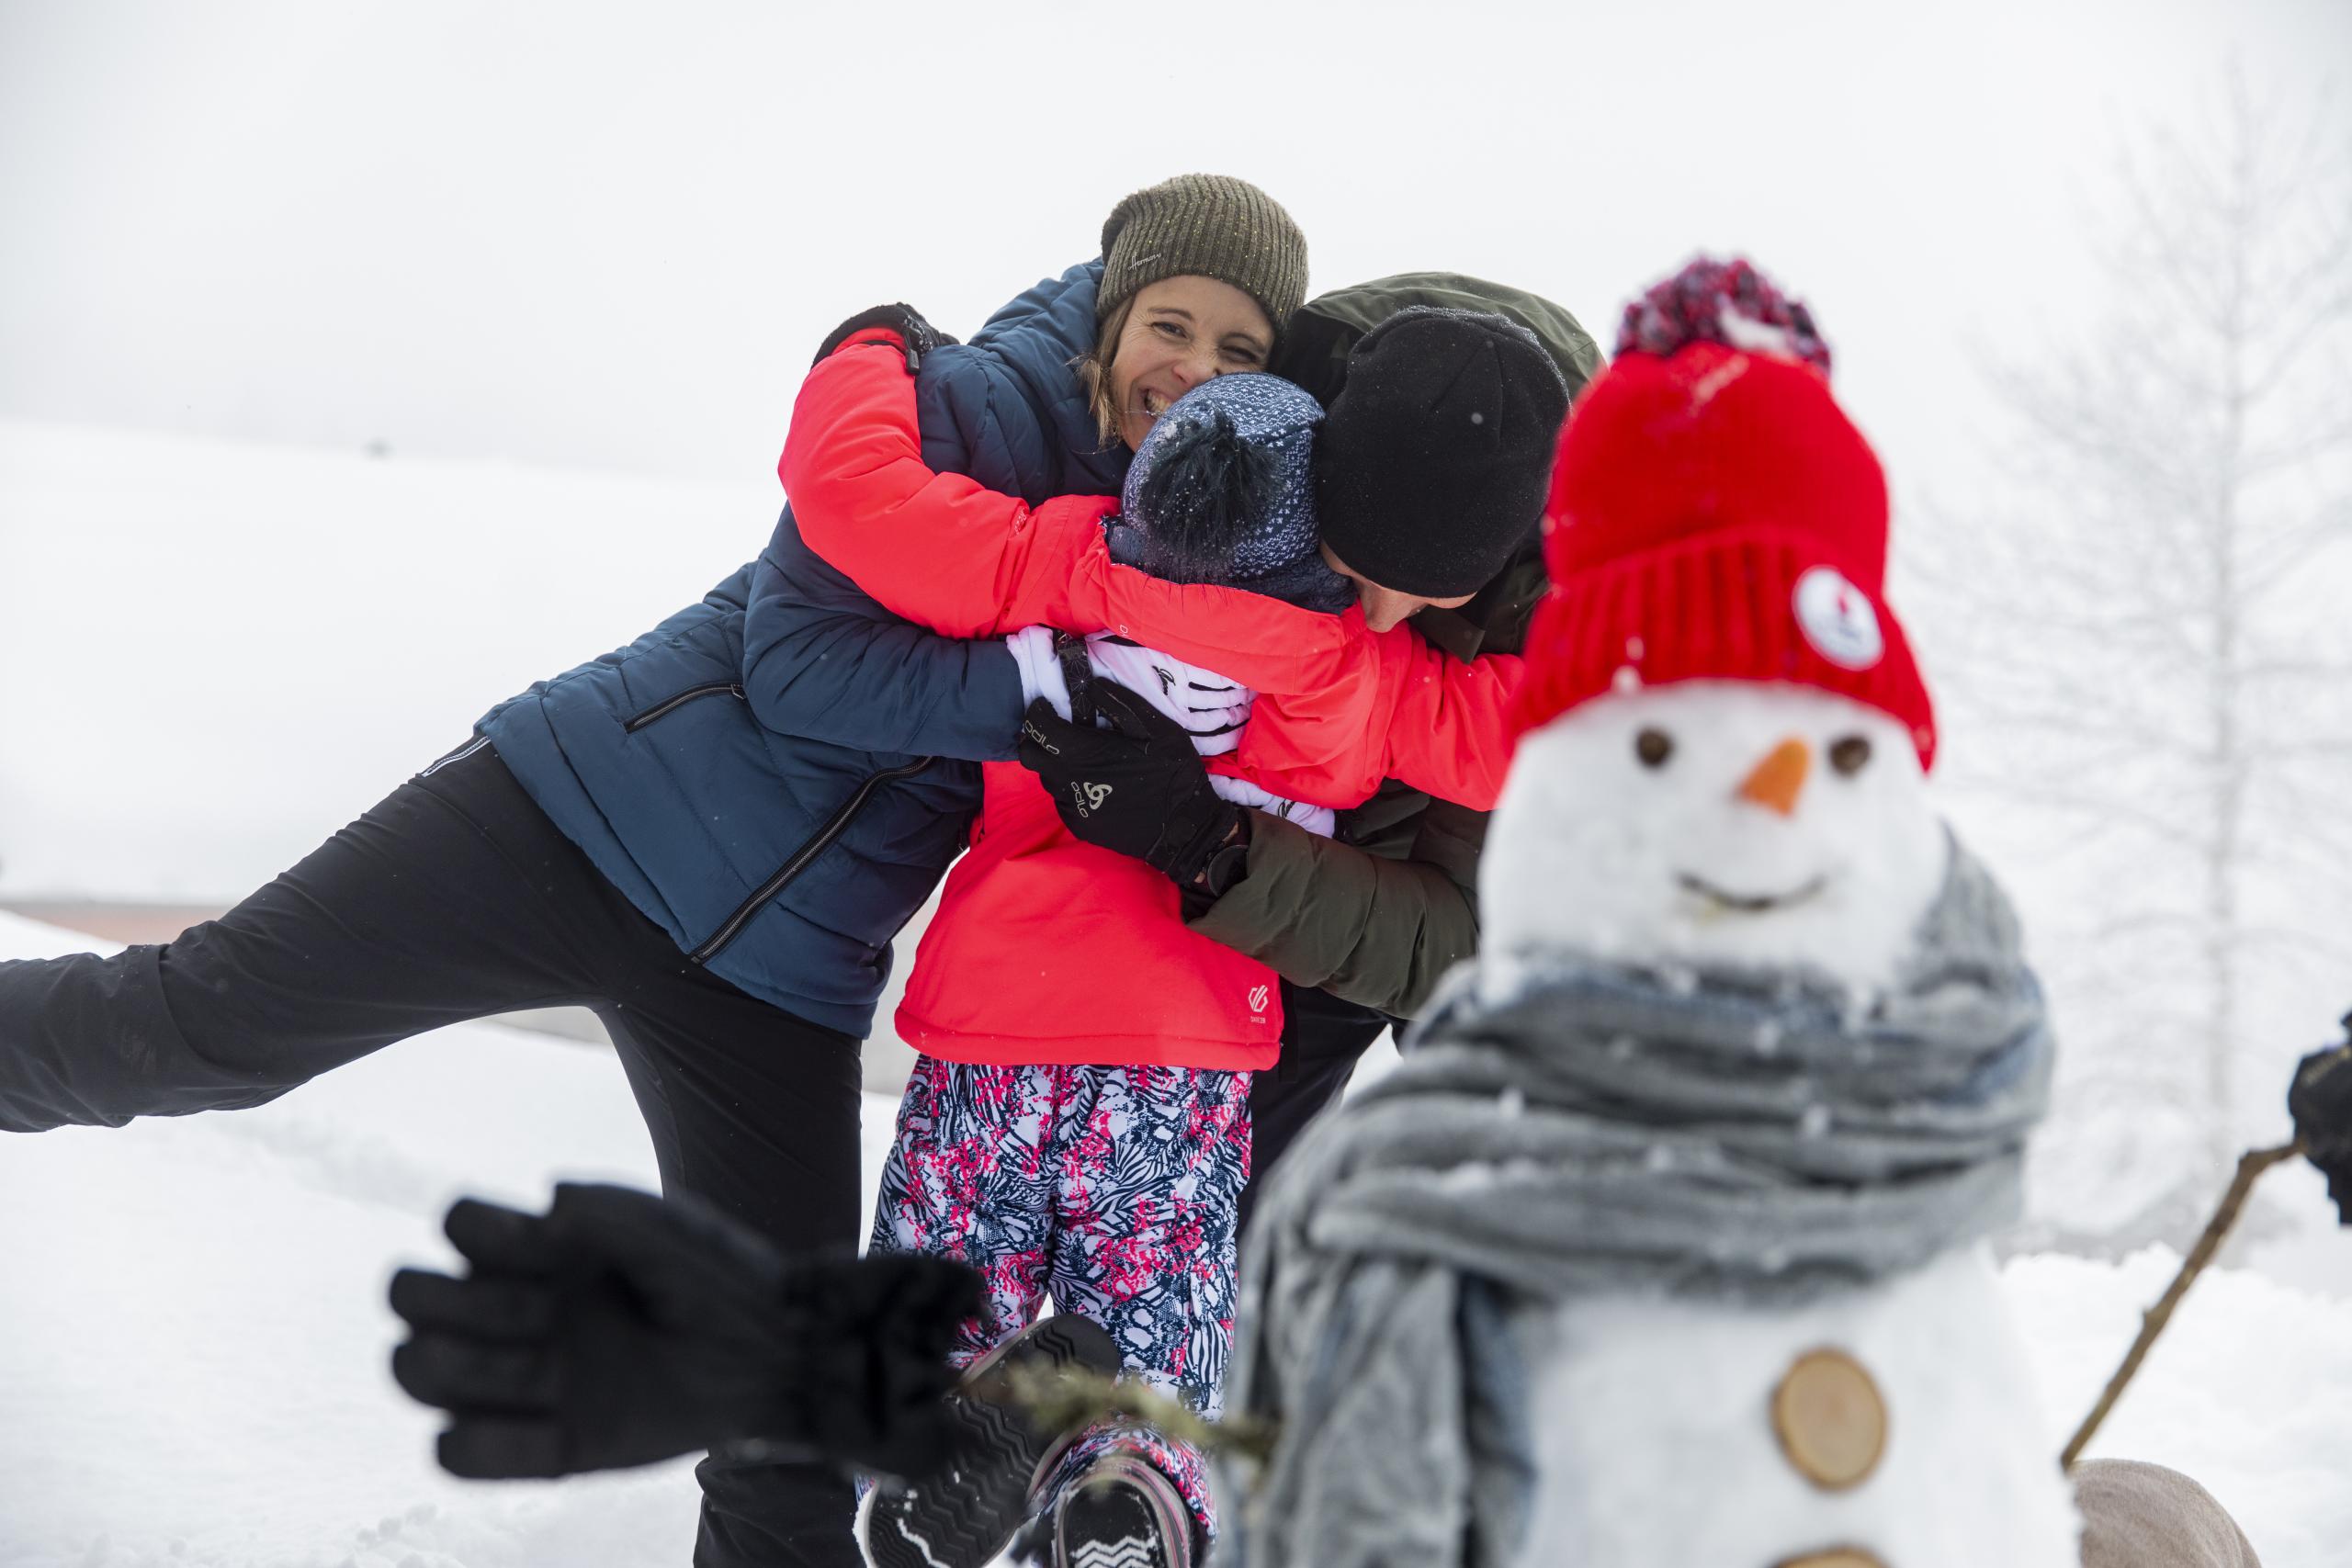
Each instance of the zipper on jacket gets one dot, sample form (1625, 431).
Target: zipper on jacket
(632, 726)
(835, 825)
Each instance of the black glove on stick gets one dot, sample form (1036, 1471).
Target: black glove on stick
(620, 1328)
(1137, 787)
(2320, 1100)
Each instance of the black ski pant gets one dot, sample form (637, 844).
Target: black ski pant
(1323, 1037)
(454, 899)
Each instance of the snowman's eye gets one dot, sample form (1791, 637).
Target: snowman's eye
(1850, 754)
(1653, 747)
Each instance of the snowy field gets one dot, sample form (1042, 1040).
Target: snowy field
(193, 1336)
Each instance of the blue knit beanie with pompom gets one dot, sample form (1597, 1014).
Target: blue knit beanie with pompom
(1222, 491)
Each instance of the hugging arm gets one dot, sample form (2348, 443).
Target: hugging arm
(887, 640)
(945, 551)
(1374, 923)
(897, 653)
(821, 660)
(938, 548)
(1419, 714)
(1450, 733)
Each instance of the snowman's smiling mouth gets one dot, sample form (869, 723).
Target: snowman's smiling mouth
(1747, 903)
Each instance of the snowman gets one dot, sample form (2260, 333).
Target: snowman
(1666, 1247)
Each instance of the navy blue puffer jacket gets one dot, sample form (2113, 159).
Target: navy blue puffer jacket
(779, 775)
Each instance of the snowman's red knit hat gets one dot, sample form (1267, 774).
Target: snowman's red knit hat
(1714, 515)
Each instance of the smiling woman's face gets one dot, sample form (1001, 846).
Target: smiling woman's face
(1179, 332)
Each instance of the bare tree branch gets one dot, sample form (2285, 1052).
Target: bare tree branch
(2148, 662)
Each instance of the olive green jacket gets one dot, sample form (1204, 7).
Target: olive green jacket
(1376, 913)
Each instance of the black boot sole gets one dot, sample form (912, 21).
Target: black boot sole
(965, 1515)
(1112, 1527)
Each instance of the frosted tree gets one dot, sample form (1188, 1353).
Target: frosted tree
(2151, 636)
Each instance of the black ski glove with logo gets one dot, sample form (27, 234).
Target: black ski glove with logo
(2320, 1100)
(619, 1328)
(1137, 787)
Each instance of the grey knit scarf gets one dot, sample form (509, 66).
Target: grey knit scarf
(1745, 1134)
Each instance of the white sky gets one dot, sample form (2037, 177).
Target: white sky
(581, 235)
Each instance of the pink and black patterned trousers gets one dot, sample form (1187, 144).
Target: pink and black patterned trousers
(1114, 1190)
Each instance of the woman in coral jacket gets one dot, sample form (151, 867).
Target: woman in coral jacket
(701, 837)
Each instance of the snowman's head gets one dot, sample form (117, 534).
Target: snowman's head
(1723, 731)
(1712, 822)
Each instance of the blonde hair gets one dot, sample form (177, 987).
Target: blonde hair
(1095, 372)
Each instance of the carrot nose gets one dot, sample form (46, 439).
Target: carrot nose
(1779, 779)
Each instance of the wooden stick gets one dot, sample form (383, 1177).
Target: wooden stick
(2250, 1164)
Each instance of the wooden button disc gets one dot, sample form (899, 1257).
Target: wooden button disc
(1837, 1557)
(1831, 1423)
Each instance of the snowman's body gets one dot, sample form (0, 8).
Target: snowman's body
(1761, 826)
(1655, 1443)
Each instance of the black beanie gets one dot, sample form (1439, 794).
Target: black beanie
(1433, 464)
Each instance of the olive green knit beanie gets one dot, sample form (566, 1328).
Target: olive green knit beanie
(1209, 225)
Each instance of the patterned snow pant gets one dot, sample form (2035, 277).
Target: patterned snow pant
(1115, 1190)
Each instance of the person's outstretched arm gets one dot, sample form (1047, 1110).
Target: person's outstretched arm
(619, 1328)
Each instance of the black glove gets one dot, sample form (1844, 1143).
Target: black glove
(2320, 1100)
(1137, 787)
(620, 1328)
(920, 336)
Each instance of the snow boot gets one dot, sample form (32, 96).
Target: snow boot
(963, 1515)
(1123, 1512)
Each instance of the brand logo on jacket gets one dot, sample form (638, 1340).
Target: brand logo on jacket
(1259, 997)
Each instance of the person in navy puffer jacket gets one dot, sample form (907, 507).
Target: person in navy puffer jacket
(710, 836)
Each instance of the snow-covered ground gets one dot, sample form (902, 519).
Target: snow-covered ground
(193, 1334)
